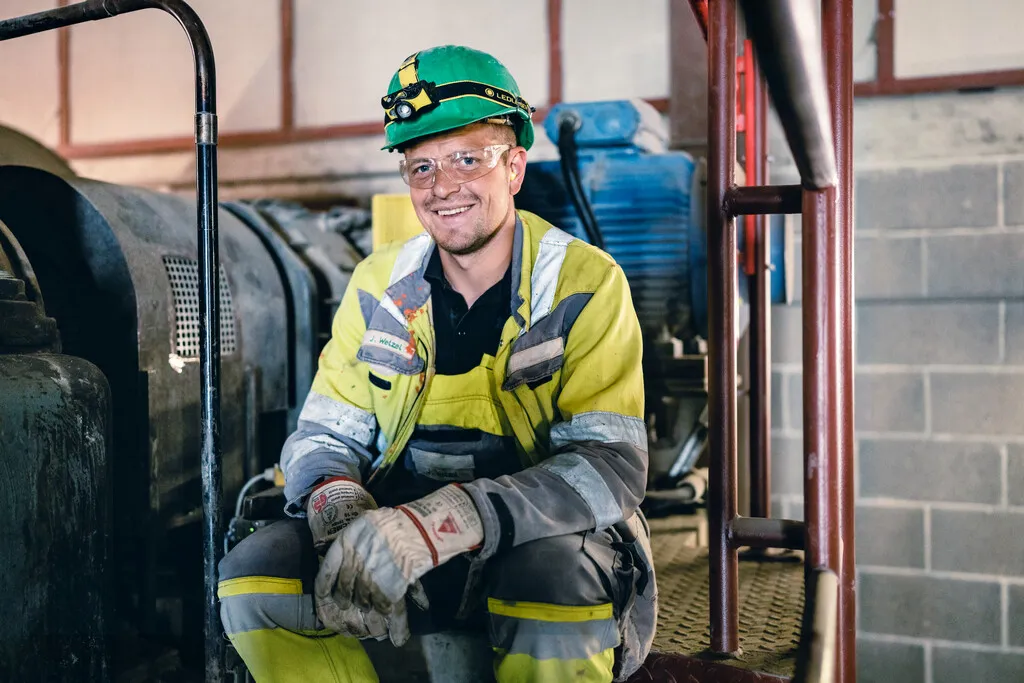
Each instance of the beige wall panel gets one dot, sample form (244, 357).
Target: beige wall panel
(614, 49)
(29, 81)
(132, 76)
(346, 52)
(941, 37)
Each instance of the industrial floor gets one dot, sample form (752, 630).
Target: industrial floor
(771, 600)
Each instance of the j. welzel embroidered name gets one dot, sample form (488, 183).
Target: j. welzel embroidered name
(389, 342)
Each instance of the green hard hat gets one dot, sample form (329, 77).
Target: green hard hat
(448, 87)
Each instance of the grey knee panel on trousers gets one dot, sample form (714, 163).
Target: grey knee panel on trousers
(576, 569)
(283, 549)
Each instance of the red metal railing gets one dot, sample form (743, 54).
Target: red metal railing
(820, 138)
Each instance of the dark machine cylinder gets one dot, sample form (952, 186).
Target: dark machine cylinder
(54, 492)
(54, 435)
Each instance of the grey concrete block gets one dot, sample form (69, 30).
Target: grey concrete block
(977, 403)
(927, 607)
(1014, 333)
(884, 402)
(890, 537)
(778, 400)
(953, 665)
(1016, 616)
(1013, 193)
(787, 334)
(980, 542)
(1015, 475)
(888, 268)
(955, 196)
(889, 402)
(925, 332)
(927, 470)
(880, 662)
(787, 465)
(975, 265)
(941, 126)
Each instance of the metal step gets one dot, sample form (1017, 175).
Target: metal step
(771, 599)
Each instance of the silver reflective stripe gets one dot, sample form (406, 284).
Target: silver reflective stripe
(588, 482)
(410, 257)
(600, 426)
(339, 417)
(552, 348)
(256, 611)
(443, 466)
(554, 640)
(546, 268)
(388, 305)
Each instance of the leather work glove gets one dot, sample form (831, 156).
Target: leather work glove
(331, 506)
(380, 555)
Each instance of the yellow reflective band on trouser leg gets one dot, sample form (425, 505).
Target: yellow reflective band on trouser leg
(273, 625)
(543, 642)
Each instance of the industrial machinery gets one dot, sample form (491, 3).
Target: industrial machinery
(618, 186)
(110, 368)
(124, 411)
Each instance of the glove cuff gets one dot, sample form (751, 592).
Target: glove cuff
(332, 505)
(448, 521)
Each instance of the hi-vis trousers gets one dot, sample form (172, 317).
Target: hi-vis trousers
(553, 609)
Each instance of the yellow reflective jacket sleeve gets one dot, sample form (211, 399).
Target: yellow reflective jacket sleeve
(336, 425)
(596, 470)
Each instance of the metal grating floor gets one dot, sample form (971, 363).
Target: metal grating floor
(771, 598)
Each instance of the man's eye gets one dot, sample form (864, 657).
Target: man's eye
(421, 169)
(468, 161)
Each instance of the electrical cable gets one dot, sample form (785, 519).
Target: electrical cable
(571, 175)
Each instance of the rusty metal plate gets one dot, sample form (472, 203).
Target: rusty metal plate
(771, 597)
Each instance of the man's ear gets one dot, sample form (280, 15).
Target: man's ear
(517, 169)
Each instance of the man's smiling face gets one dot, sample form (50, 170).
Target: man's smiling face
(463, 217)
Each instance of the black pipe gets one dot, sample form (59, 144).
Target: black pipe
(789, 52)
(567, 127)
(209, 303)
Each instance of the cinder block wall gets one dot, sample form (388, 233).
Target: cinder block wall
(939, 226)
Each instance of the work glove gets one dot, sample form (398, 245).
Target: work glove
(331, 506)
(377, 558)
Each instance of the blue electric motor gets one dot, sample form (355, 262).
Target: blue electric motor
(648, 203)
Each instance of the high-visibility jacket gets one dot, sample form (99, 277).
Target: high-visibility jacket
(562, 398)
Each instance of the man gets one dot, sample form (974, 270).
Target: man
(473, 440)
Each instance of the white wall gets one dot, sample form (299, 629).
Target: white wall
(131, 76)
(29, 83)
(131, 79)
(938, 37)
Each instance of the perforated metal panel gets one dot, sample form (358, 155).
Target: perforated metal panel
(771, 601)
(183, 274)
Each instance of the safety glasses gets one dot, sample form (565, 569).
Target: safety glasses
(461, 167)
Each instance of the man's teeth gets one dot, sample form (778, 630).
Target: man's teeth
(452, 212)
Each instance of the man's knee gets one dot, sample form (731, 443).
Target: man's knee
(574, 569)
(266, 581)
(283, 550)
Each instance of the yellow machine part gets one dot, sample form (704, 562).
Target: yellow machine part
(394, 219)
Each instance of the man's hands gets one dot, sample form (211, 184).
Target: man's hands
(382, 553)
(332, 506)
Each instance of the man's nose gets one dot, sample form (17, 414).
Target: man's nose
(443, 184)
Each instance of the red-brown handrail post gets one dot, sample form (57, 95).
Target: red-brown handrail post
(837, 43)
(760, 296)
(722, 273)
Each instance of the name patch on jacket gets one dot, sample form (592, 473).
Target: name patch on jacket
(389, 342)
